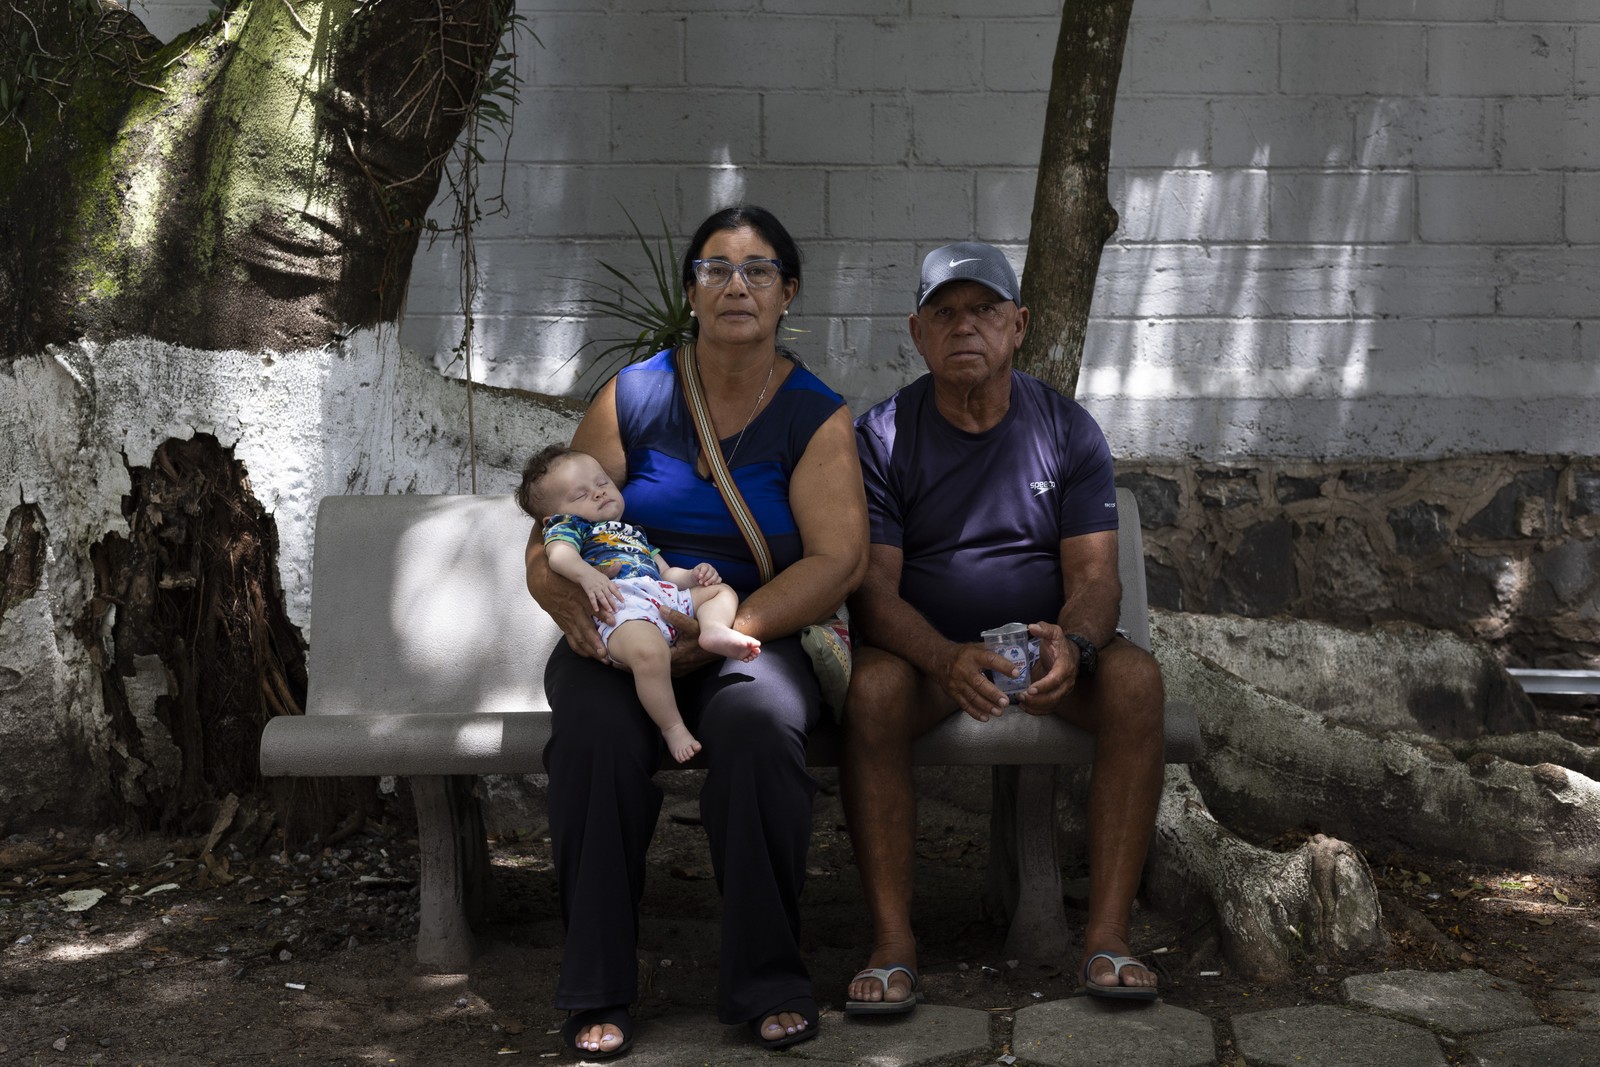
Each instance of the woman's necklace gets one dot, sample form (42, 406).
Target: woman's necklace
(734, 451)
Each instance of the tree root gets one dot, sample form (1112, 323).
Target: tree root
(1274, 910)
(1270, 764)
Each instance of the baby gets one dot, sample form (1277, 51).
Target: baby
(614, 564)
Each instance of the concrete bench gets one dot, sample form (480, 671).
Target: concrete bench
(427, 661)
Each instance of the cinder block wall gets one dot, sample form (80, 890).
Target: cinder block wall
(1350, 228)
(1357, 236)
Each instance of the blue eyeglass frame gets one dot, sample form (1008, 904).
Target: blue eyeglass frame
(739, 269)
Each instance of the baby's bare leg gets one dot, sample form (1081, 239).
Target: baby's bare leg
(714, 606)
(638, 645)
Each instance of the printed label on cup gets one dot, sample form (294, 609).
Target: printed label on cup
(1013, 642)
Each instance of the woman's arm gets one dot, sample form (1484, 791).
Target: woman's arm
(567, 604)
(830, 510)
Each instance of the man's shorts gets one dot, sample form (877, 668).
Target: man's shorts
(643, 598)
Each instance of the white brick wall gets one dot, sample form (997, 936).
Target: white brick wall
(1349, 227)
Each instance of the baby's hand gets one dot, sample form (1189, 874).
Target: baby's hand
(706, 574)
(602, 592)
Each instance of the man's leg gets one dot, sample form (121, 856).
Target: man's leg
(889, 706)
(1123, 708)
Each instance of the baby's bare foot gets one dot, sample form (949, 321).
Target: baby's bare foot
(680, 742)
(726, 641)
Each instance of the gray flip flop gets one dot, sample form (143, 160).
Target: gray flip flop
(1119, 991)
(885, 1007)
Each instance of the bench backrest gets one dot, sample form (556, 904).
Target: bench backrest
(421, 605)
(421, 610)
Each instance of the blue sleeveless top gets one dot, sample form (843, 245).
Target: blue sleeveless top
(683, 513)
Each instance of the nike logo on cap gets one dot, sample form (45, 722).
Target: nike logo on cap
(958, 262)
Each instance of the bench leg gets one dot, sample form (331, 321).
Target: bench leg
(1024, 870)
(451, 845)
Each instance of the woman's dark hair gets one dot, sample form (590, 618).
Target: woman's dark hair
(537, 468)
(758, 219)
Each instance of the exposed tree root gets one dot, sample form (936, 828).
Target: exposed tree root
(1271, 764)
(1273, 909)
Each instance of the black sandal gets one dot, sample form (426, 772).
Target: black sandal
(805, 1007)
(578, 1021)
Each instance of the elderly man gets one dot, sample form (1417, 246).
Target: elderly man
(991, 501)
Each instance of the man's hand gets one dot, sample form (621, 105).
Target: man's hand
(1056, 673)
(962, 677)
(687, 655)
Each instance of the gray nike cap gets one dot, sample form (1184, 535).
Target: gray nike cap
(968, 261)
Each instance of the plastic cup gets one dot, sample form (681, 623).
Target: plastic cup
(1013, 642)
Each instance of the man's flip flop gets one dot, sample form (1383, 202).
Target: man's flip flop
(805, 1007)
(1117, 992)
(884, 1007)
(579, 1021)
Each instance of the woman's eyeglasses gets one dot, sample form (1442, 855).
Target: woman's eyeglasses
(757, 273)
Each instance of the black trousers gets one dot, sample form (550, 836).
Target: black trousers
(752, 720)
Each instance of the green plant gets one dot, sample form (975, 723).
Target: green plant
(656, 309)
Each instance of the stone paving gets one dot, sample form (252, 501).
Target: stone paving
(1390, 1019)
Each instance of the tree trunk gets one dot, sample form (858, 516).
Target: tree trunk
(260, 183)
(257, 186)
(1072, 214)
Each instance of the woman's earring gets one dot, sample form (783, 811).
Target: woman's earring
(691, 313)
(786, 311)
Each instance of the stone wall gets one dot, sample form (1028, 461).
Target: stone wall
(1501, 547)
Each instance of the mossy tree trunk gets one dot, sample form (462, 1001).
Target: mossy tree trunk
(258, 185)
(1072, 214)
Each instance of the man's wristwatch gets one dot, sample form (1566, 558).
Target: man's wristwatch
(1088, 655)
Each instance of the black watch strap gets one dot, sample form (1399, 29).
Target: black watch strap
(1088, 655)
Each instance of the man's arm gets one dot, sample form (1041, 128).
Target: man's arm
(887, 621)
(1093, 598)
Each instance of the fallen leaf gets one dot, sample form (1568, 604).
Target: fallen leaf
(80, 899)
(1542, 921)
(1559, 895)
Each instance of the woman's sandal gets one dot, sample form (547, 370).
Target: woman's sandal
(579, 1021)
(805, 1007)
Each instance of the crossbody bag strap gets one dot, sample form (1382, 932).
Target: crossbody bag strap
(694, 396)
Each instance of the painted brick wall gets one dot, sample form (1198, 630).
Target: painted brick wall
(1350, 228)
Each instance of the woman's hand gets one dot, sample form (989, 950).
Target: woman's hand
(687, 655)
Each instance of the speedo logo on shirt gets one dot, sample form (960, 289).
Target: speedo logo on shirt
(1041, 488)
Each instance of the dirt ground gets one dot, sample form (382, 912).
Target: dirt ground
(183, 956)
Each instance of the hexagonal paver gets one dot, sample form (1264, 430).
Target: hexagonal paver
(1579, 1002)
(934, 1033)
(1534, 1046)
(1327, 1036)
(1086, 1032)
(1459, 1002)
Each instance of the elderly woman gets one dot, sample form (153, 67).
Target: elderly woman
(789, 442)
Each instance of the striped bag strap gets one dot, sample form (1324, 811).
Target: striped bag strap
(694, 396)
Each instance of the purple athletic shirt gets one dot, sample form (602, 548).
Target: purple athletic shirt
(980, 517)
